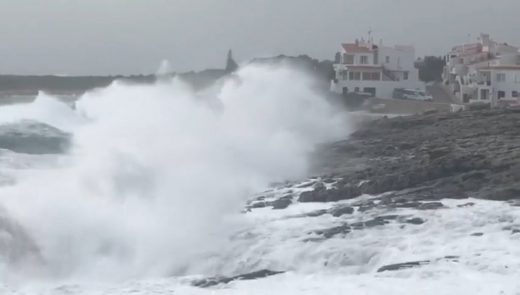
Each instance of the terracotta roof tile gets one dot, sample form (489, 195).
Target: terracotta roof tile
(355, 48)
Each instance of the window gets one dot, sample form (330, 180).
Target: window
(387, 59)
(355, 76)
(501, 77)
(371, 76)
(348, 59)
(517, 78)
(515, 94)
(364, 60)
(501, 94)
(405, 76)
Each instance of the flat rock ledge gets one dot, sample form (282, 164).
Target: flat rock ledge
(425, 158)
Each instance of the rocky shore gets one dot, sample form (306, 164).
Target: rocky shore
(412, 177)
(426, 157)
(397, 172)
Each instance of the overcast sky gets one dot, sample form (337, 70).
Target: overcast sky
(76, 37)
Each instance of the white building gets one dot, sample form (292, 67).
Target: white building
(484, 72)
(365, 67)
(496, 84)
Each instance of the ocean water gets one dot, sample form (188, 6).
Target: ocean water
(146, 190)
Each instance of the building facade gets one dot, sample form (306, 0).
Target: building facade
(484, 72)
(364, 67)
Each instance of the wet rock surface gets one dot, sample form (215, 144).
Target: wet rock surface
(414, 264)
(426, 158)
(210, 282)
(400, 179)
(377, 221)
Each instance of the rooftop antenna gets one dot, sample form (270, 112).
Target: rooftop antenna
(370, 35)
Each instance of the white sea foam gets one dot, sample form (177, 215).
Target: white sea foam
(158, 173)
(486, 264)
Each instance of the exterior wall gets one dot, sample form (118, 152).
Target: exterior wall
(470, 75)
(508, 59)
(399, 65)
(400, 58)
(357, 58)
(511, 83)
(384, 89)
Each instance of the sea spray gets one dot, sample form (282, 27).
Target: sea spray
(157, 174)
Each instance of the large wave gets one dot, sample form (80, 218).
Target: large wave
(157, 174)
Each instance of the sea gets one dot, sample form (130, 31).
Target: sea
(142, 189)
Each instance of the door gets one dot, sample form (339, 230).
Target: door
(484, 94)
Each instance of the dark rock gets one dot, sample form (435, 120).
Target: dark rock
(378, 221)
(443, 155)
(416, 221)
(210, 282)
(400, 266)
(328, 195)
(413, 264)
(430, 206)
(505, 194)
(331, 232)
(366, 206)
(316, 213)
(477, 234)
(257, 205)
(282, 203)
(322, 194)
(471, 204)
(341, 210)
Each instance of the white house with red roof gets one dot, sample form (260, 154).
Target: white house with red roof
(484, 72)
(364, 67)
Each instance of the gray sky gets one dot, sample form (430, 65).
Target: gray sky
(77, 37)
